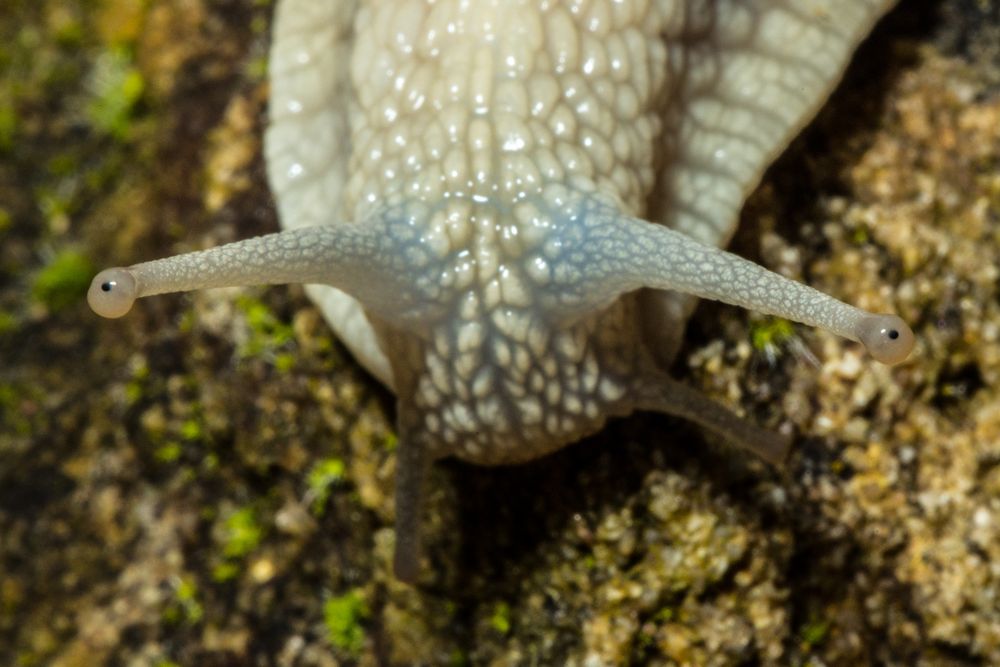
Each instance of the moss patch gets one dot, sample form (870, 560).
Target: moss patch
(343, 616)
(63, 281)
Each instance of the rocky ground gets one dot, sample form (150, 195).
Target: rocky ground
(208, 481)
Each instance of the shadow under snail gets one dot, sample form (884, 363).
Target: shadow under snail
(506, 209)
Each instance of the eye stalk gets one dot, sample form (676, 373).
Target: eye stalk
(112, 292)
(360, 259)
(887, 337)
(622, 253)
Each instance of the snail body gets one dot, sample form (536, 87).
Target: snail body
(505, 209)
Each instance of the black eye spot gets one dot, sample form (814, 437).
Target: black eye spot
(893, 334)
(106, 287)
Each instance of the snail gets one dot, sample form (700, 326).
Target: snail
(506, 209)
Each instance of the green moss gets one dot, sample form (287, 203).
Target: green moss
(224, 572)
(321, 478)
(11, 599)
(210, 462)
(187, 596)
(343, 617)
(191, 429)
(769, 334)
(8, 396)
(117, 87)
(133, 393)
(136, 386)
(644, 643)
(500, 619)
(8, 126)
(268, 334)
(185, 324)
(284, 361)
(859, 236)
(814, 633)
(664, 615)
(243, 533)
(64, 281)
(257, 67)
(8, 322)
(262, 320)
(185, 607)
(69, 33)
(64, 164)
(169, 452)
(27, 659)
(54, 202)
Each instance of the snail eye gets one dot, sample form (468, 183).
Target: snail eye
(887, 338)
(112, 292)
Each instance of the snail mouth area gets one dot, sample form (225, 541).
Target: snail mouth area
(508, 387)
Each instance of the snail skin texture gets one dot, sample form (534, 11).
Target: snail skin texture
(506, 209)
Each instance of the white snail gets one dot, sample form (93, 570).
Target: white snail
(504, 208)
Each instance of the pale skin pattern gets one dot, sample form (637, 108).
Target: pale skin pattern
(505, 208)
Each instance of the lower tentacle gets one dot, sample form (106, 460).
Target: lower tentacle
(412, 464)
(660, 393)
